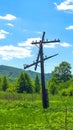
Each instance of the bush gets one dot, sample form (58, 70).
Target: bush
(71, 91)
(67, 92)
(64, 92)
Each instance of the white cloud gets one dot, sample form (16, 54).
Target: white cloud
(65, 44)
(9, 24)
(3, 34)
(66, 5)
(69, 27)
(10, 52)
(8, 17)
(51, 45)
(28, 42)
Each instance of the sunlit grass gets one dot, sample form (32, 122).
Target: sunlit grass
(25, 112)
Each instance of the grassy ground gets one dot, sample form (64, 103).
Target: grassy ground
(25, 112)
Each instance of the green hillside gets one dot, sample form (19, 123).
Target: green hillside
(12, 72)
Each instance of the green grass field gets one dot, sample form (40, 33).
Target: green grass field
(25, 112)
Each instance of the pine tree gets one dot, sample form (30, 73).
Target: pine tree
(24, 83)
(37, 84)
(28, 83)
(4, 84)
(20, 83)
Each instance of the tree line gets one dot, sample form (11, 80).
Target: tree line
(61, 81)
(23, 84)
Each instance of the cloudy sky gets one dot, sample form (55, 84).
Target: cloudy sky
(23, 21)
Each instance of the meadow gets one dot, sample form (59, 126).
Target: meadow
(25, 112)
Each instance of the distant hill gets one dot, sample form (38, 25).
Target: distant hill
(12, 72)
(33, 74)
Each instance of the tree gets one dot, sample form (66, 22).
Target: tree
(28, 83)
(0, 83)
(61, 76)
(24, 83)
(20, 83)
(4, 83)
(53, 85)
(62, 72)
(37, 84)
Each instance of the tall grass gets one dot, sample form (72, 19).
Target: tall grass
(25, 112)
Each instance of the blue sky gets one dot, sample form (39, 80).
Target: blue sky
(23, 21)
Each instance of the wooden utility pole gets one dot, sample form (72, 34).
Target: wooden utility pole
(44, 90)
(45, 99)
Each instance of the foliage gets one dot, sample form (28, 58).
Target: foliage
(61, 79)
(53, 85)
(67, 92)
(37, 84)
(28, 83)
(65, 88)
(20, 83)
(24, 83)
(0, 83)
(12, 87)
(4, 83)
(62, 72)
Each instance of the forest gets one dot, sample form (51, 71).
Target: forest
(61, 81)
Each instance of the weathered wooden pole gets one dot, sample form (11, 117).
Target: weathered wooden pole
(45, 99)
